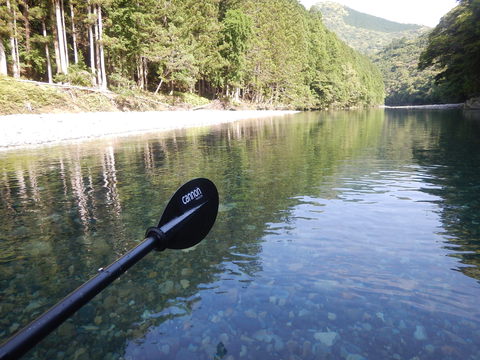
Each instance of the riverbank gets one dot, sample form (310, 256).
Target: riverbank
(427, 107)
(26, 130)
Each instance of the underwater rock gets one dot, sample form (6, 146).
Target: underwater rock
(262, 335)
(279, 344)
(165, 349)
(303, 313)
(186, 272)
(14, 327)
(168, 287)
(221, 351)
(33, 305)
(420, 333)
(185, 283)
(355, 357)
(326, 338)
(366, 326)
(224, 338)
(292, 346)
(80, 354)
(380, 316)
(243, 351)
(307, 349)
(331, 316)
(67, 329)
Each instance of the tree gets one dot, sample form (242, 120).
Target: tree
(454, 49)
(4, 34)
(12, 21)
(3, 59)
(74, 34)
(61, 38)
(236, 34)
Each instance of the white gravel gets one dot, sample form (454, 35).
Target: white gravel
(17, 131)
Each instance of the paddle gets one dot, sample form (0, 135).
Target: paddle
(187, 219)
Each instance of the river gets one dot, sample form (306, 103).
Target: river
(340, 235)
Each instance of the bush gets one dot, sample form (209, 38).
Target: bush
(77, 75)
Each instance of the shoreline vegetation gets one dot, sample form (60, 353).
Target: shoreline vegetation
(272, 53)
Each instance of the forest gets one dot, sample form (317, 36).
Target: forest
(405, 83)
(271, 52)
(441, 66)
(453, 49)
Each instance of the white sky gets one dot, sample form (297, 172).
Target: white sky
(423, 12)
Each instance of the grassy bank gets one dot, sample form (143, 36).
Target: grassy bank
(25, 97)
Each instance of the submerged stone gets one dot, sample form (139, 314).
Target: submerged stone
(185, 283)
(420, 333)
(326, 338)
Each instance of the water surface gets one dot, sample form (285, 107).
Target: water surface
(342, 235)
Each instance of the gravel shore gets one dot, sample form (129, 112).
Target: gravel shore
(18, 131)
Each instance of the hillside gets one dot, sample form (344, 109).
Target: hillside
(365, 33)
(405, 84)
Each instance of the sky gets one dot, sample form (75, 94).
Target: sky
(422, 12)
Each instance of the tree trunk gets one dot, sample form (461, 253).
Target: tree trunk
(13, 41)
(97, 47)
(159, 86)
(237, 94)
(91, 40)
(145, 71)
(28, 47)
(64, 34)
(101, 54)
(74, 36)
(47, 54)
(140, 74)
(3, 59)
(55, 42)
(62, 61)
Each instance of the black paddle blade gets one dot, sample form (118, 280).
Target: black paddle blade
(190, 214)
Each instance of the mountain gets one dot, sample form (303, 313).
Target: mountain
(366, 33)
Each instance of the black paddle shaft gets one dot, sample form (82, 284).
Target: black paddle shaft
(188, 218)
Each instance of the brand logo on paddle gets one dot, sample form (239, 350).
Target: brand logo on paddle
(192, 195)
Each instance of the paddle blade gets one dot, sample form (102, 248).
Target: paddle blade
(190, 214)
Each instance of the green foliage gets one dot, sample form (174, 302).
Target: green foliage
(21, 97)
(454, 49)
(192, 99)
(365, 33)
(77, 75)
(272, 52)
(235, 36)
(405, 84)
(340, 76)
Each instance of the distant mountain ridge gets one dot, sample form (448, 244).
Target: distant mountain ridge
(371, 22)
(365, 33)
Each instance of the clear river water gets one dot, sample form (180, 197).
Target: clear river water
(340, 235)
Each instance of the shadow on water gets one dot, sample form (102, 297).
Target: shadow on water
(68, 210)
